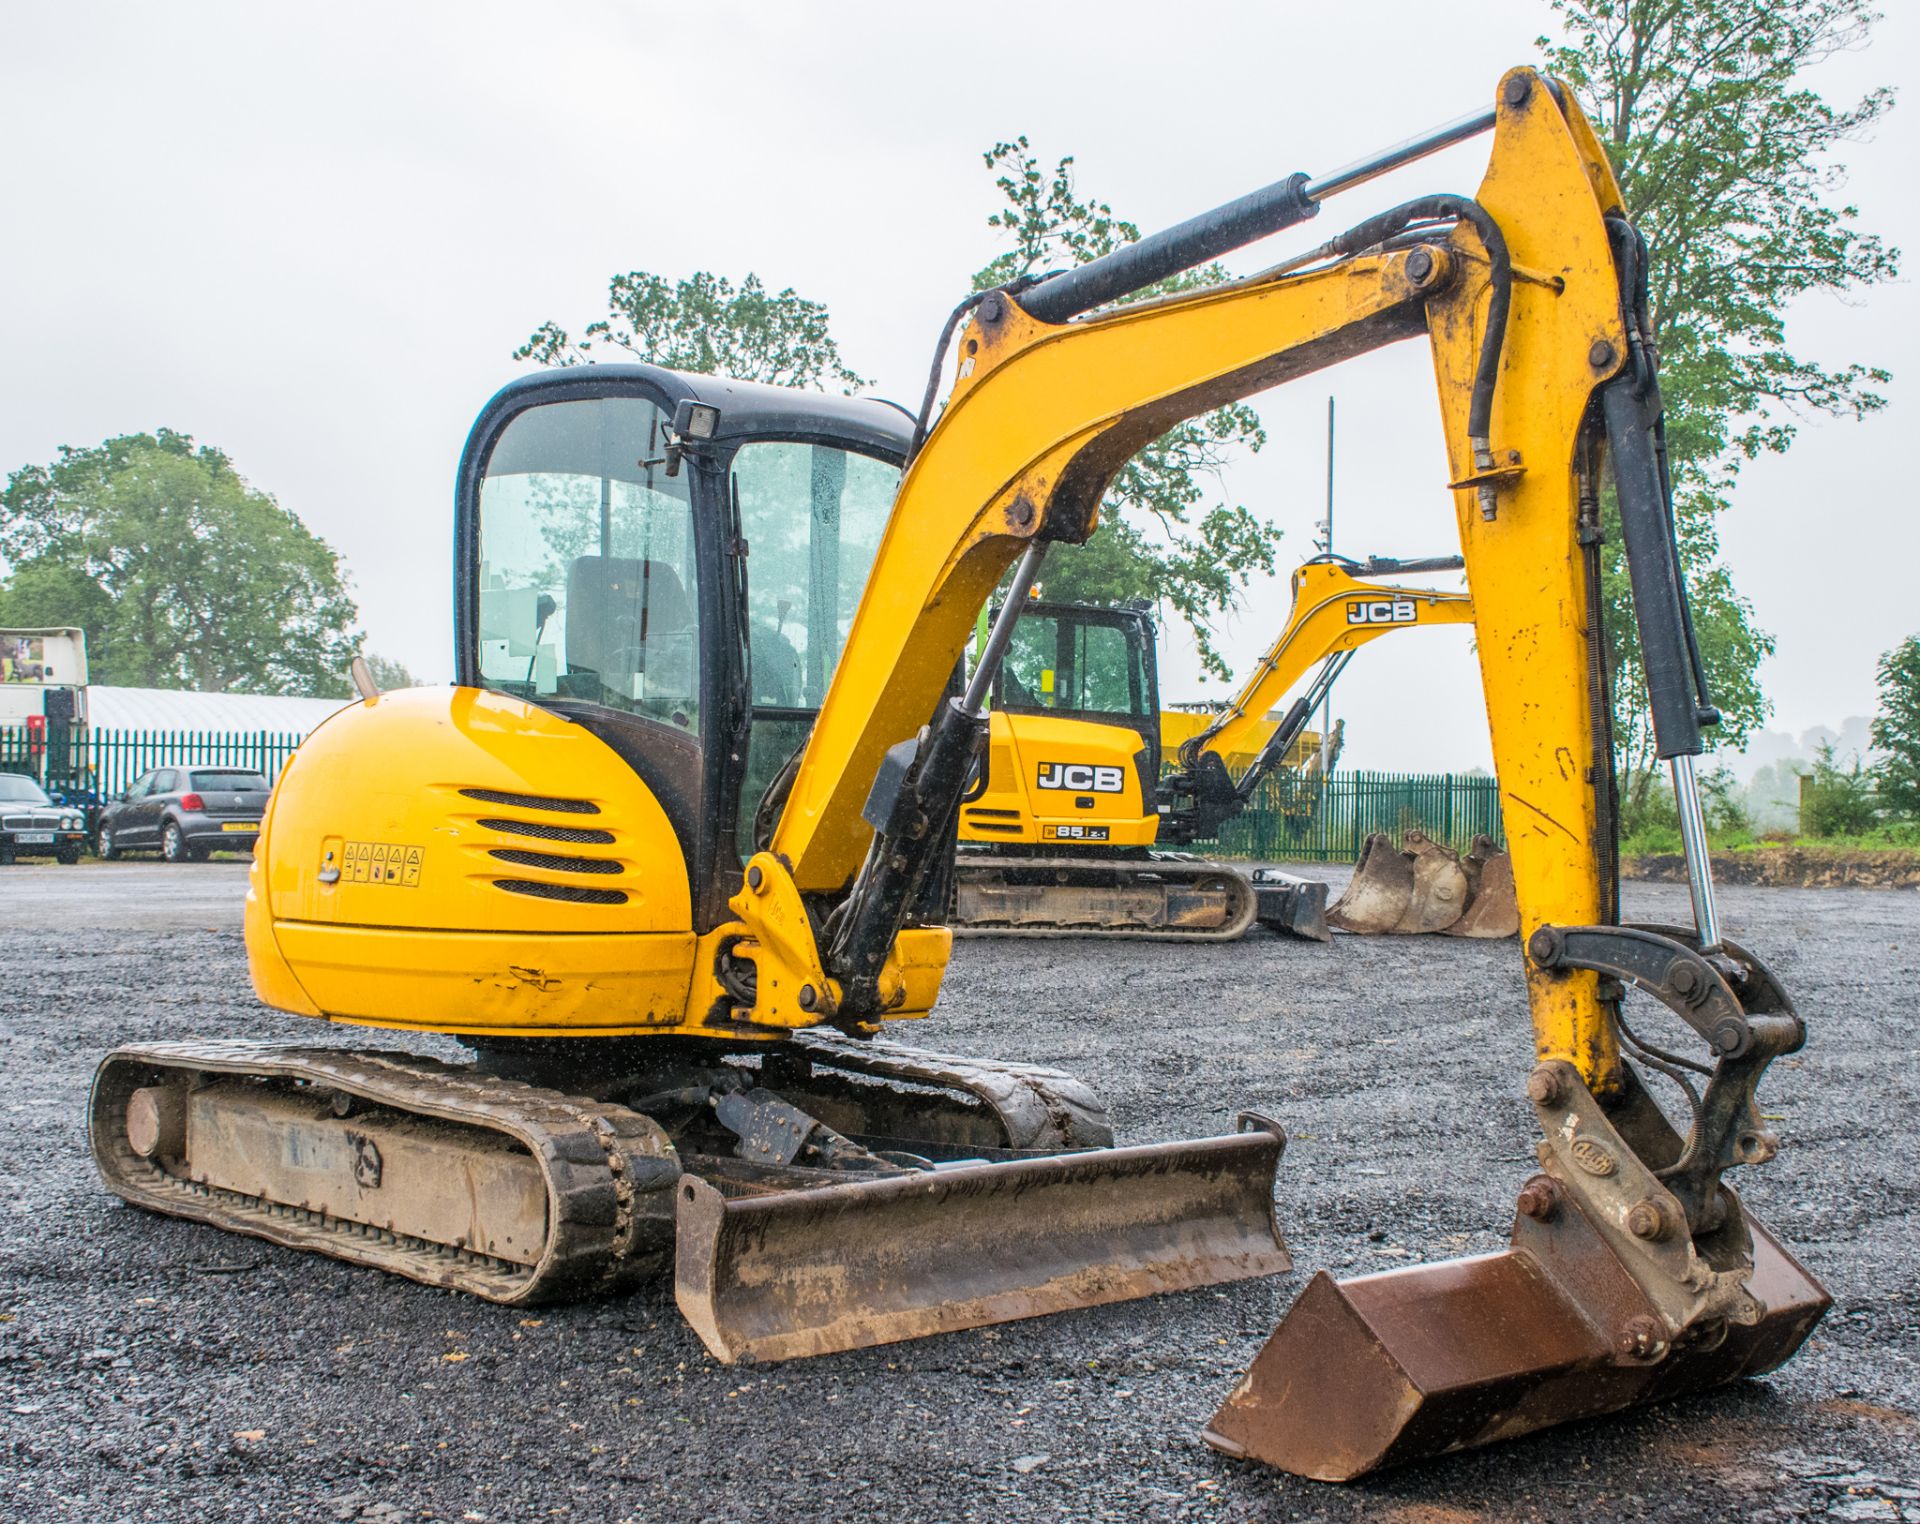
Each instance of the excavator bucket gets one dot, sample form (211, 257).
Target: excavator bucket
(1385, 1369)
(1493, 909)
(1421, 889)
(809, 1272)
(1377, 895)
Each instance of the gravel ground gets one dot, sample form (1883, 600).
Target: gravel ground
(154, 1370)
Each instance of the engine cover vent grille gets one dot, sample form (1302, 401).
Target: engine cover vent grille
(554, 862)
(585, 835)
(578, 894)
(533, 801)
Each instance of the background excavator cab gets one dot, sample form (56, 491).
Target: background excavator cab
(1074, 746)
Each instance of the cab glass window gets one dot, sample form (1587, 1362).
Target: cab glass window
(587, 584)
(812, 516)
(1074, 663)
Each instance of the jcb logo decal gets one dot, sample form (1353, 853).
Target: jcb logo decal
(1382, 611)
(1079, 778)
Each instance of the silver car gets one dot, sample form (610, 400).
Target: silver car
(184, 813)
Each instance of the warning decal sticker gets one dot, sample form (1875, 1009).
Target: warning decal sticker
(382, 862)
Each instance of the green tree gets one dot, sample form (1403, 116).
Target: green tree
(1836, 800)
(180, 573)
(1166, 533)
(1727, 162)
(1896, 729)
(708, 325)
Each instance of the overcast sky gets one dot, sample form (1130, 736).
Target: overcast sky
(313, 236)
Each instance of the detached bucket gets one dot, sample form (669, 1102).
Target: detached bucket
(1386, 1369)
(1377, 895)
(1421, 889)
(809, 1272)
(1493, 909)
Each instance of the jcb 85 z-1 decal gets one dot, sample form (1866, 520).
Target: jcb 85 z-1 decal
(1073, 833)
(1081, 778)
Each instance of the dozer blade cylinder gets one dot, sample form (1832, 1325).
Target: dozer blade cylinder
(1386, 1369)
(847, 1266)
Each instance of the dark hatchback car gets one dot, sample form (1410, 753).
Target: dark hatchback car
(32, 825)
(183, 813)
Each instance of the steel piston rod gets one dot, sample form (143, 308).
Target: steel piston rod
(1693, 840)
(982, 679)
(1230, 226)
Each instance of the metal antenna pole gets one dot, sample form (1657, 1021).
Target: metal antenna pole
(1326, 703)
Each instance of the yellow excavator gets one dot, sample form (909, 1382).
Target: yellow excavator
(680, 1044)
(1060, 837)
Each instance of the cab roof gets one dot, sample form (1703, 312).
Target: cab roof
(747, 408)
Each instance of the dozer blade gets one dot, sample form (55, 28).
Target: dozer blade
(773, 1277)
(1493, 909)
(1421, 889)
(1291, 907)
(1385, 1369)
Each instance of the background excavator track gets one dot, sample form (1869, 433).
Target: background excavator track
(1162, 897)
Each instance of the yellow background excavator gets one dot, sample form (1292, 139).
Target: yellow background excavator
(681, 1044)
(1059, 837)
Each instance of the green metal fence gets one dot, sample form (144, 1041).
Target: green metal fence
(103, 762)
(1314, 820)
(1291, 817)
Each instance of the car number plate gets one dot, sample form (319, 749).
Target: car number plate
(241, 825)
(35, 838)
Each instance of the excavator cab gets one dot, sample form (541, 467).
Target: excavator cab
(1073, 751)
(604, 577)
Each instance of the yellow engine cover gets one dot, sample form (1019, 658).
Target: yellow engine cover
(1060, 782)
(455, 860)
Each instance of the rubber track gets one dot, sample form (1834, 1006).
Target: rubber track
(610, 1171)
(1116, 872)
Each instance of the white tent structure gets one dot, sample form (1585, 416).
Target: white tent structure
(171, 709)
